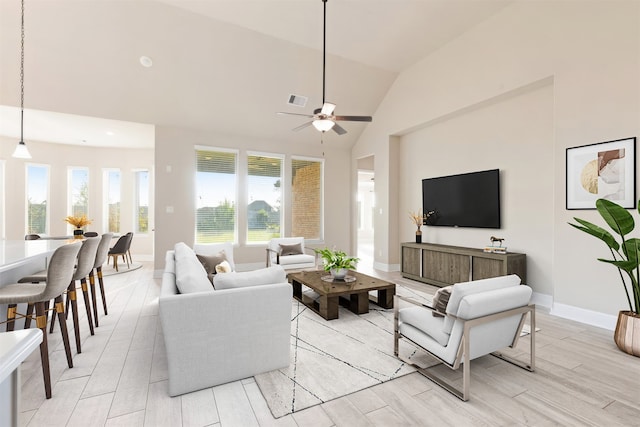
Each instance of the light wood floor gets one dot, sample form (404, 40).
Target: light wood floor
(120, 379)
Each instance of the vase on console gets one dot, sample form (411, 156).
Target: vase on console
(419, 236)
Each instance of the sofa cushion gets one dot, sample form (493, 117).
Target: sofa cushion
(297, 259)
(263, 276)
(461, 290)
(295, 249)
(190, 274)
(421, 319)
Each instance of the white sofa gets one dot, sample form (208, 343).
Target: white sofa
(213, 336)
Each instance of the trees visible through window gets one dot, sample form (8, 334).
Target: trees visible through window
(142, 201)
(306, 198)
(264, 184)
(216, 196)
(112, 197)
(37, 196)
(78, 191)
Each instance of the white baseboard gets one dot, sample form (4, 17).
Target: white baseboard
(386, 267)
(590, 317)
(542, 300)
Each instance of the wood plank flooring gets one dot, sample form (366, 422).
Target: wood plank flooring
(120, 379)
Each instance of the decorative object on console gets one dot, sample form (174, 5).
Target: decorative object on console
(605, 170)
(496, 249)
(419, 219)
(626, 259)
(337, 262)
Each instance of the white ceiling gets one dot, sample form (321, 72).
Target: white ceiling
(223, 66)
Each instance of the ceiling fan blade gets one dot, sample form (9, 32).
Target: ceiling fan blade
(339, 129)
(354, 118)
(282, 113)
(327, 108)
(302, 126)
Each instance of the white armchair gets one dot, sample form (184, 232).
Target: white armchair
(289, 252)
(481, 317)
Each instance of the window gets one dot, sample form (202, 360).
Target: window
(216, 185)
(306, 198)
(37, 196)
(141, 218)
(112, 200)
(78, 185)
(264, 185)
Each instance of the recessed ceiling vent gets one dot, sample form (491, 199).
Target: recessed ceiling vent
(297, 100)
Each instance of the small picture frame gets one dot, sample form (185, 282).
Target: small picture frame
(606, 170)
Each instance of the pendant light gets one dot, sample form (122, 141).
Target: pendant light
(21, 151)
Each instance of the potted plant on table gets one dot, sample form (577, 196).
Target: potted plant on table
(338, 263)
(78, 221)
(626, 257)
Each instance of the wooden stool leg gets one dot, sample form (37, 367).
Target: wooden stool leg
(11, 317)
(27, 319)
(71, 293)
(87, 303)
(41, 322)
(94, 302)
(59, 310)
(53, 318)
(104, 298)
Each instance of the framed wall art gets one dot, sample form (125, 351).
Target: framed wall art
(606, 170)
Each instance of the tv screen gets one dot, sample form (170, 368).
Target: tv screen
(464, 200)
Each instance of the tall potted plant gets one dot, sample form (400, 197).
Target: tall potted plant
(625, 255)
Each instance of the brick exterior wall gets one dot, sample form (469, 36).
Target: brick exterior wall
(306, 203)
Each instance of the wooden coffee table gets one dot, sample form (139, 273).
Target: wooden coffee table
(353, 295)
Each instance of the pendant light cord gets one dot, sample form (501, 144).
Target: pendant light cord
(22, 74)
(324, 46)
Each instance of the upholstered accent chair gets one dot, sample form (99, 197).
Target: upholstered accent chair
(481, 317)
(290, 253)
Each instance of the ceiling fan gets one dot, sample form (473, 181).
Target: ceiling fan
(323, 118)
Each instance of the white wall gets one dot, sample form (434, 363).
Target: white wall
(175, 147)
(60, 157)
(550, 75)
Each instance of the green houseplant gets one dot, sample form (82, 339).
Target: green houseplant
(625, 255)
(337, 262)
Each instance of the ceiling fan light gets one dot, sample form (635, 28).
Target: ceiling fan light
(21, 151)
(323, 125)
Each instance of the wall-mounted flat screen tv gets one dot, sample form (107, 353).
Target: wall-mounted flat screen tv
(463, 200)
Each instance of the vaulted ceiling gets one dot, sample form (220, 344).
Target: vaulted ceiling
(223, 66)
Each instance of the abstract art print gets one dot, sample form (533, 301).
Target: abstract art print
(606, 170)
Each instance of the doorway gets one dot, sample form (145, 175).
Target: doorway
(365, 214)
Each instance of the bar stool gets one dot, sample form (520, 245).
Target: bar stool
(59, 274)
(101, 258)
(86, 258)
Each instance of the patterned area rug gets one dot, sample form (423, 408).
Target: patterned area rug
(330, 359)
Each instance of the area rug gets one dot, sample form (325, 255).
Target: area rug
(330, 359)
(108, 270)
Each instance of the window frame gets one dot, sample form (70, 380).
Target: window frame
(237, 175)
(105, 199)
(245, 175)
(70, 200)
(136, 201)
(47, 220)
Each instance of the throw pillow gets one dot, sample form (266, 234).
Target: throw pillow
(291, 249)
(223, 267)
(440, 301)
(209, 262)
